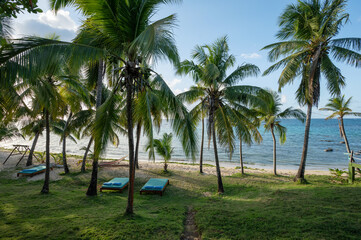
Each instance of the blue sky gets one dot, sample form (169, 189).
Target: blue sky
(249, 25)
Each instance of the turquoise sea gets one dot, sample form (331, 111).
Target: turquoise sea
(324, 134)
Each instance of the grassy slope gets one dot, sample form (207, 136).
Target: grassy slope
(253, 207)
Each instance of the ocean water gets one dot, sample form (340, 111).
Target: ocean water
(324, 134)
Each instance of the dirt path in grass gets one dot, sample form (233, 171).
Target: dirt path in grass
(190, 227)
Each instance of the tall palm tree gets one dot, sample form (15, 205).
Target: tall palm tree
(217, 95)
(340, 107)
(272, 116)
(307, 35)
(74, 94)
(163, 147)
(9, 131)
(126, 29)
(124, 35)
(249, 135)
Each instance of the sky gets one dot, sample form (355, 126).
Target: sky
(249, 26)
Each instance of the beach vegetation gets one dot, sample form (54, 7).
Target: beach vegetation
(307, 50)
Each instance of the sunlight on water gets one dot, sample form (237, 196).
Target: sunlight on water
(324, 134)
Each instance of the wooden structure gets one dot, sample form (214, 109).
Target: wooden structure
(115, 187)
(351, 167)
(114, 163)
(112, 188)
(32, 174)
(154, 191)
(21, 150)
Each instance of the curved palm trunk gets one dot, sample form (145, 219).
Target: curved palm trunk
(47, 154)
(92, 189)
(301, 170)
(201, 153)
(344, 136)
(241, 155)
(66, 168)
(129, 87)
(339, 128)
(85, 155)
(30, 158)
(274, 152)
(139, 130)
(219, 176)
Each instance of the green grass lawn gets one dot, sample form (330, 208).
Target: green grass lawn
(253, 207)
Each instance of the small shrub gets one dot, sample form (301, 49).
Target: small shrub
(337, 175)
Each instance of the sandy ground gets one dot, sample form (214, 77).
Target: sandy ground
(145, 167)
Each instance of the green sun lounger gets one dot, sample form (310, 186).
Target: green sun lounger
(33, 171)
(155, 185)
(117, 184)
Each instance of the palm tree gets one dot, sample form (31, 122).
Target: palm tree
(9, 131)
(249, 135)
(272, 117)
(340, 108)
(122, 33)
(307, 39)
(33, 128)
(163, 147)
(74, 94)
(217, 96)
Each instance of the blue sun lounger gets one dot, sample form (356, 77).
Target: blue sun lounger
(117, 184)
(33, 171)
(155, 185)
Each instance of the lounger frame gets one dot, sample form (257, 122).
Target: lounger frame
(160, 192)
(32, 174)
(114, 189)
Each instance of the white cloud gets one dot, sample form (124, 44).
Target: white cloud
(61, 20)
(283, 99)
(178, 91)
(174, 82)
(250, 55)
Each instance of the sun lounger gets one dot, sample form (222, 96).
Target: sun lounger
(155, 185)
(33, 171)
(117, 184)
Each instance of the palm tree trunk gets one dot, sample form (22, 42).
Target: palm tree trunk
(66, 168)
(30, 158)
(86, 154)
(139, 130)
(301, 170)
(339, 128)
(47, 154)
(92, 189)
(218, 169)
(241, 155)
(201, 153)
(129, 87)
(274, 152)
(344, 136)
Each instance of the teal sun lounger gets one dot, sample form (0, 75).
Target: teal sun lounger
(155, 185)
(33, 171)
(117, 184)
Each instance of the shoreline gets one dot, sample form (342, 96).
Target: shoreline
(185, 166)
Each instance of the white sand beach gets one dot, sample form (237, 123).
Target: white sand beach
(145, 167)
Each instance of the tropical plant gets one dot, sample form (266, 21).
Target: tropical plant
(121, 34)
(217, 96)
(340, 107)
(9, 131)
(33, 128)
(11, 8)
(307, 41)
(272, 116)
(249, 135)
(163, 147)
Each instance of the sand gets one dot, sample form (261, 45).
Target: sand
(146, 168)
